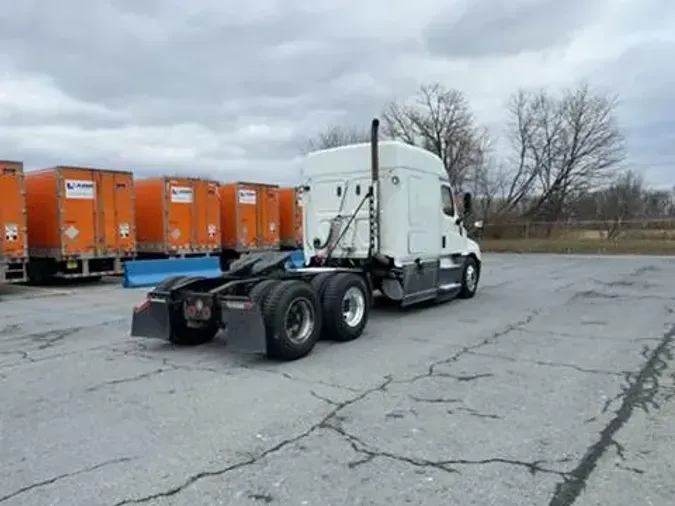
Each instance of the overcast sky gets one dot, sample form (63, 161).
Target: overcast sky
(231, 88)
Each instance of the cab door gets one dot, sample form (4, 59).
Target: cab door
(453, 241)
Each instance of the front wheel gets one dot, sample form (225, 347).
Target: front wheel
(346, 306)
(470, 275)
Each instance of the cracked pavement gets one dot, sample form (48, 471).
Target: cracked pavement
(554, 386)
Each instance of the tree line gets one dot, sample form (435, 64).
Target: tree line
(565, 158)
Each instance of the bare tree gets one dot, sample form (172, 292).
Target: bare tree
(563, 145)
(658, 203)
(622, 200)
(336, 136)
(439, 120)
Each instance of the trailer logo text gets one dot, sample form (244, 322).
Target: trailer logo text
(181, 194)
(79, 189)
(247, 196)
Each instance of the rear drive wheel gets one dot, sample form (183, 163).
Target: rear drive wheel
(346, 306)
(292, 320)
(182, 335)
(470, 275)
(261, 291)
(319, 282)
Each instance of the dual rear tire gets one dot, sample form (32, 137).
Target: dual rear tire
(297, 313)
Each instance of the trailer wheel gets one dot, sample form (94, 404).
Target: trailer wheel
(292, 314)
(346, 306)
(470, 275)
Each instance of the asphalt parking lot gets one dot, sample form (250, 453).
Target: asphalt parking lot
(552, 386)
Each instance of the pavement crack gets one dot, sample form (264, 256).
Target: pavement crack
(23, 355)
(167, 367)
(640, 392)
(556, 334)
(266, 498)
(644, 270)
(333, 414)
(435, 400)
(545, 363)
(432, 368)
(9, 329)
(60, 477)
(370, 453)
(141, 352)
(290, 377)
(465, 410)
(634, 470)
(129, 379)
(471, 377)
(485, 342)
(324, 399)
(461, 409)
(597, 295)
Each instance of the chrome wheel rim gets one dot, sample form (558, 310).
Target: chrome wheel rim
(299, 321)
(471, 278)
(353, 306)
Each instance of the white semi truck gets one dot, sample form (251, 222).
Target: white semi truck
(377, 216)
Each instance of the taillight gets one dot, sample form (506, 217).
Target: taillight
(142, 306)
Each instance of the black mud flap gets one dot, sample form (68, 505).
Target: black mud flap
(244, 325)
(151, 319)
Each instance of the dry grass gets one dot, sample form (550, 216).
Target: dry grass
(578, 245)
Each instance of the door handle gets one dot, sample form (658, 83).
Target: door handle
(443, 242)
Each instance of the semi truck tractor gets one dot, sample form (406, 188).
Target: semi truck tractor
(377, 216)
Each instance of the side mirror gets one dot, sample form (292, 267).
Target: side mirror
(467, 203)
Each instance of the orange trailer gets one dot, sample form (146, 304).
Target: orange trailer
(290, 218)
(13, 242)
(80, 222)
(177, 216)
(250, 214)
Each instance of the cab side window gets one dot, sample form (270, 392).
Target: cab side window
(447, 201)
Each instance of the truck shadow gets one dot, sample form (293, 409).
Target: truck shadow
(76, 282)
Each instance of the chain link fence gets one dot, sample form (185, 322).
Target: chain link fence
(637, 236)
(645, 229)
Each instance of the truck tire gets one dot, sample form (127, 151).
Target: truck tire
(346, 306)
(470, 275)
(319, 283)
(292, 315)
(261, 291)
(182, 335)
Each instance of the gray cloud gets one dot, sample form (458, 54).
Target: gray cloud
(644, 82)
(487, 29)
(233, 89)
